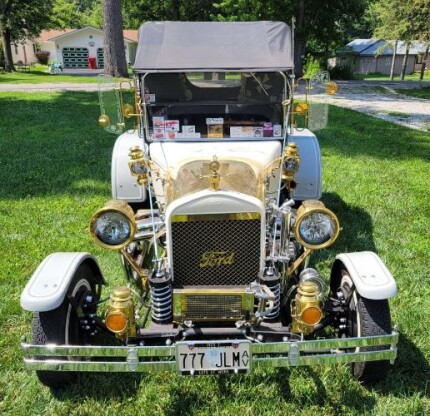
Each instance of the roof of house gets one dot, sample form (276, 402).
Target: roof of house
(48, 34)
(51, 34)
(372, 47)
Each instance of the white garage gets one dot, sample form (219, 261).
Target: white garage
(75, 48)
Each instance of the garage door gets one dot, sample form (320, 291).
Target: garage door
(100, 58)
(75, 57)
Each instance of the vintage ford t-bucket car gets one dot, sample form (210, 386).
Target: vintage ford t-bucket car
(215, 212)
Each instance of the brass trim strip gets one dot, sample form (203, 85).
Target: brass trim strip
(238, 216)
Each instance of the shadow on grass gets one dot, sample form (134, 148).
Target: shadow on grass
(101, 387)
(409, 375)
(52, 144)
(356, 233)
(356, 134)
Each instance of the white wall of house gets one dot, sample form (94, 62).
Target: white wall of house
(49, 46)
(24, 52)
(89, 38)
(382, 64)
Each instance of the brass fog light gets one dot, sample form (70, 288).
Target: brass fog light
(306, 309)
(127, 110)
(137, 165)
(331, 88)
(311, 315)
(315, 226)
(302, 108)
(290, 165)
(114, 225)
(119, 317)
(104, 121)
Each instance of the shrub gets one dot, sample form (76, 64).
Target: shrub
(341, 72)
(43, 57)
(311, 67)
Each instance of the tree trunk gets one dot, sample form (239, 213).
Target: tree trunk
(423, 65)
(7, 49)
(176, 13)
(114, 51)
(393, 61)
(405, 61)
(299, 43)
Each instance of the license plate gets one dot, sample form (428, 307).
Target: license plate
(209, 357)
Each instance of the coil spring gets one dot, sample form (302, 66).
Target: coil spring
(161, 303)
(276, 290)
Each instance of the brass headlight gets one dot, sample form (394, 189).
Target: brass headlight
(113, 226)
(315, 226)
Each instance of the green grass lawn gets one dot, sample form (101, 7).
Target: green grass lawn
(55, 172)
(382, 77)
(417, 93)
(39, 74)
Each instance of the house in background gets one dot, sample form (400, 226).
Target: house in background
(73, 47)
(24, 51)
(367, 56)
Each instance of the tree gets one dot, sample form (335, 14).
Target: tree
(114, 51)
(76, 14)
(321, 25)
(65, 14)
(135, 12)
(21, 19)
(406, 21)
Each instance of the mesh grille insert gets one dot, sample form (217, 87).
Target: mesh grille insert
(213, 307)
(195, 241)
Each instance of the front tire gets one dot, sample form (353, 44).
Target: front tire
(366, 317)
(61, 326)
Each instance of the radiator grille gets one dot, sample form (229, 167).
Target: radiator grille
(199, 239)
(213, 307)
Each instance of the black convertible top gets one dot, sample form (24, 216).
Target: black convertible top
(214, 46)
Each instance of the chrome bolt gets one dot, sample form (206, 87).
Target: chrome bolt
(260, 337)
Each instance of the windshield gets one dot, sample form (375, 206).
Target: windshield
(199, 105)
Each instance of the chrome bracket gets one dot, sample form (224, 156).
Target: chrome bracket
(132, 359)
(393, 346)
(294, 354)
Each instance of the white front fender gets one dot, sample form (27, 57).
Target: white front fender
(48, 286)
(368, 272)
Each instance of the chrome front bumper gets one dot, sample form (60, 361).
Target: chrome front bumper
(163, 358)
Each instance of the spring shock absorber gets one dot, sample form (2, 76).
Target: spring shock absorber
(161, 296)
(271, 279)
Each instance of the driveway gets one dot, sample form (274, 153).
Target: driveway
(375, 98)
(379, 99)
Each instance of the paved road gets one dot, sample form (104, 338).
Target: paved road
(48, 86)
(358, 95)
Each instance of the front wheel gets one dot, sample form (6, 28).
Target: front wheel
(366, 317)
(62, 326)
